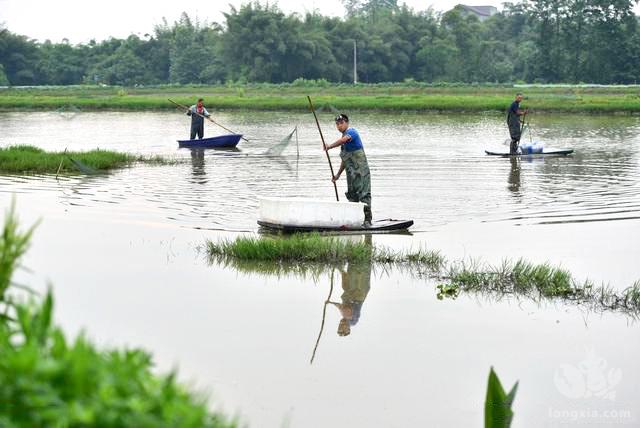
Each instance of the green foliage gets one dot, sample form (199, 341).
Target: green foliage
(48, 381)
(21, 159)
(4, 81)
(497, 406)
(13, 245)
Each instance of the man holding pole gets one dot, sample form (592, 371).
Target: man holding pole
(197, 113)
(514, 123)
(355, 162)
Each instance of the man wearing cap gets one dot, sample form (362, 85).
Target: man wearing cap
(197, 113)
(513, 121)
(355, 162)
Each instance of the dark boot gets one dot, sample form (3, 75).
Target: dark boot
(367, 215)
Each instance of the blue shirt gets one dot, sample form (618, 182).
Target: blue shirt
(355, 143)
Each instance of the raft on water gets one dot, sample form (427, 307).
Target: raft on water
(306, 215)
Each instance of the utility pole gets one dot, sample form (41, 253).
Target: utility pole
(355, 63)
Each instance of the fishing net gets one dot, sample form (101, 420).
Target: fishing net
(278, 148)
(85, 169)
(327, 108)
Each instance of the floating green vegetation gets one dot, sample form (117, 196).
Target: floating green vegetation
(314, 254)
(30, 159)
(541, 281)
(46, 380)
(313, 248)
(374, 97)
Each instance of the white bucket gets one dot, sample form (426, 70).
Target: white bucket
(311, 212)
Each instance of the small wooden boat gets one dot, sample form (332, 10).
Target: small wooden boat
(306, 215)
(230, 140)
(558, 152)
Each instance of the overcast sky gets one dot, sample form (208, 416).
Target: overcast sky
(80, 21)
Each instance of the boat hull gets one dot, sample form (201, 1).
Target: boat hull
(230, 140)
(558, 152)
(377, 226)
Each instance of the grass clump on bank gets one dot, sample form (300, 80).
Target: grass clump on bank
(47, 380)
(303, 253)
(30, 159)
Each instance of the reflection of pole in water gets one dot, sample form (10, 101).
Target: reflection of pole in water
(324, 314)
(514, 174)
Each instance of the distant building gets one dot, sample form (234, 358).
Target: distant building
(482, 12)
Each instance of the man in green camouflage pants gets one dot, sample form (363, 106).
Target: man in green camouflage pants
(354, 161)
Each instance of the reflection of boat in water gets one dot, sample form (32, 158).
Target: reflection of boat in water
(221, 141)
(307, 215)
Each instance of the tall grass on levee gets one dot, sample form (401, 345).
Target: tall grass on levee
(30, 159)
(50, 380)
(315, 253)
(410, 96)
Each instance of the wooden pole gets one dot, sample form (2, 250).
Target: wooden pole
(61, 161)
(208, 118)
(324, 147)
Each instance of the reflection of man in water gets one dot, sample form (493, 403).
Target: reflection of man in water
(356, 282)
(514, 174)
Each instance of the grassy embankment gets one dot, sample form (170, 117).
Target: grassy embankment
(48, 379)
(376, 97)
(313, 253)
(29, 159)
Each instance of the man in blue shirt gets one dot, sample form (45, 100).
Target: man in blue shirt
(355, 162)
(513, 121)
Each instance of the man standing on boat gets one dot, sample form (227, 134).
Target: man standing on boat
(355, 162)
(514, 123)
(197, 113)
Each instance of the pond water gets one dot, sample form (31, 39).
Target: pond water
(122, 254)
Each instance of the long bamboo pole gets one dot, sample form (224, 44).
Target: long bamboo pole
(207, 117)
(324, 147)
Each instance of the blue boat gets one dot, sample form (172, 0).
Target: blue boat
(230, 140)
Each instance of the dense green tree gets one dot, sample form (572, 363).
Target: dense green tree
(539, 40)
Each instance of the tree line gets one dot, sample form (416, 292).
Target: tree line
(535, 41)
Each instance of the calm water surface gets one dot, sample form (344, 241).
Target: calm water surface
(121, 251)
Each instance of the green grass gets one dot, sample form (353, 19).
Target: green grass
(29, 159)
(299, 248)
(47, 380)
(375, 97)
(314, 254)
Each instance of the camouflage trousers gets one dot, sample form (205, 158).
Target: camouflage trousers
(358, 179)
